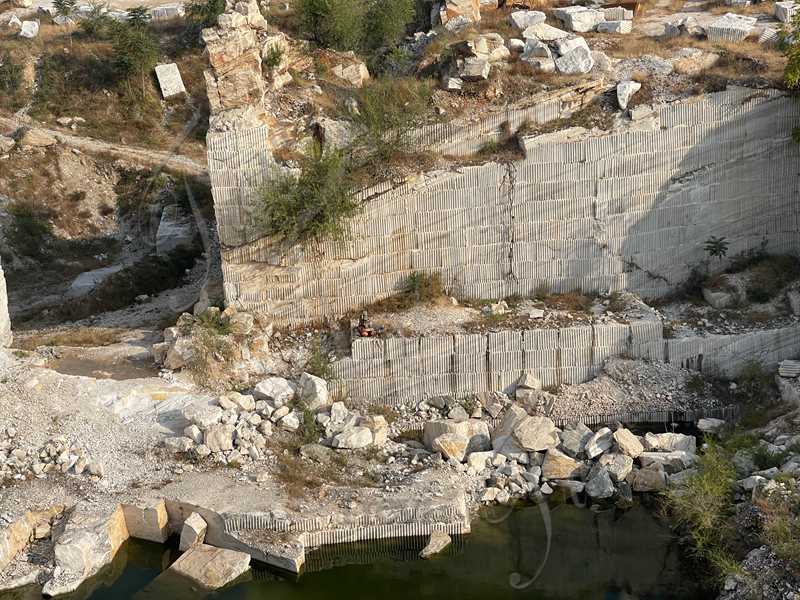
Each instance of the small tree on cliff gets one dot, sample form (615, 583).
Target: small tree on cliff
(791, 72)
(312, 206)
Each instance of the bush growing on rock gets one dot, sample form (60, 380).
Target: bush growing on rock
(311, 206)
(389, 110)
(319, 363)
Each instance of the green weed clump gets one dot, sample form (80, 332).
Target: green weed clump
(319, 363)
(705, 508)
(781, 526)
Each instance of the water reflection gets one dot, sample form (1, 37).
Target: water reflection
(607, 555)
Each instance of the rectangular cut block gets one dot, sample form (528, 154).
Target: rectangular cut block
(169, 80)
(730, 27)
(784, 11)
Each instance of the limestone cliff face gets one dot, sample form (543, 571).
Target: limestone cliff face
(5, 321)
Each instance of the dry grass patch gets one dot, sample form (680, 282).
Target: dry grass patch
(80, 337)
(635, 45)
(762, 8)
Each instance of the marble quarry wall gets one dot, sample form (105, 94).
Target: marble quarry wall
(625, 209)
(398, 370)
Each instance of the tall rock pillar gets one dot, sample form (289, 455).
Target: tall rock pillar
(5, 320)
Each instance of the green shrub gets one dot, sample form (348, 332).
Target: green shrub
(386, 22)
(770, 275)
(135, 53)
(212, 321)
(10, 75)
(204, 13)
(310, 430)
(764, 459)
(781, 525)
(335, 24)
(97, 24)
(30, 229)
(716, 247)
(138, 17)
(394, 61)
(389, 110)
(312, 206)
(755, 384)
(791, 73)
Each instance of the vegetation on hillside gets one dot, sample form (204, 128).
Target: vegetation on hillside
(363, 26)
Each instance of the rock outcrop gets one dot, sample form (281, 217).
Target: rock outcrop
(89, 542)
(235, 79)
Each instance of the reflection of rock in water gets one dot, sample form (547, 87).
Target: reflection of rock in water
(362, 553)
(133, 554)
(593, 555)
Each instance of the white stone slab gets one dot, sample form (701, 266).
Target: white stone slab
(169, 79)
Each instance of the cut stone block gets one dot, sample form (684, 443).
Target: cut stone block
(625, 91)
(211, 568)
(579, 18)
(475, 69)
(621, 27)
(784, 11)
(544, 32)
(30, 29)
(193, 531)
(731, 28)
(567, 44)
(617, 13)
(522, 19)
(169, 80)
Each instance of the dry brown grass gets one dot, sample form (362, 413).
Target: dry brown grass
(746, 61)
(81, 85)
(387, 412)
(80, 337)
(762, 8)
(640, 45)
(419, 288)
(574, 301)
(497, 21)
(743, 62)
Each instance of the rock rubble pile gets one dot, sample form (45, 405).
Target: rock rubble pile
(57, 455)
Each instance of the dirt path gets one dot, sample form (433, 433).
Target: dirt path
(168, 161)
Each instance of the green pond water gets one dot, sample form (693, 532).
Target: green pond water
(610, 555)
